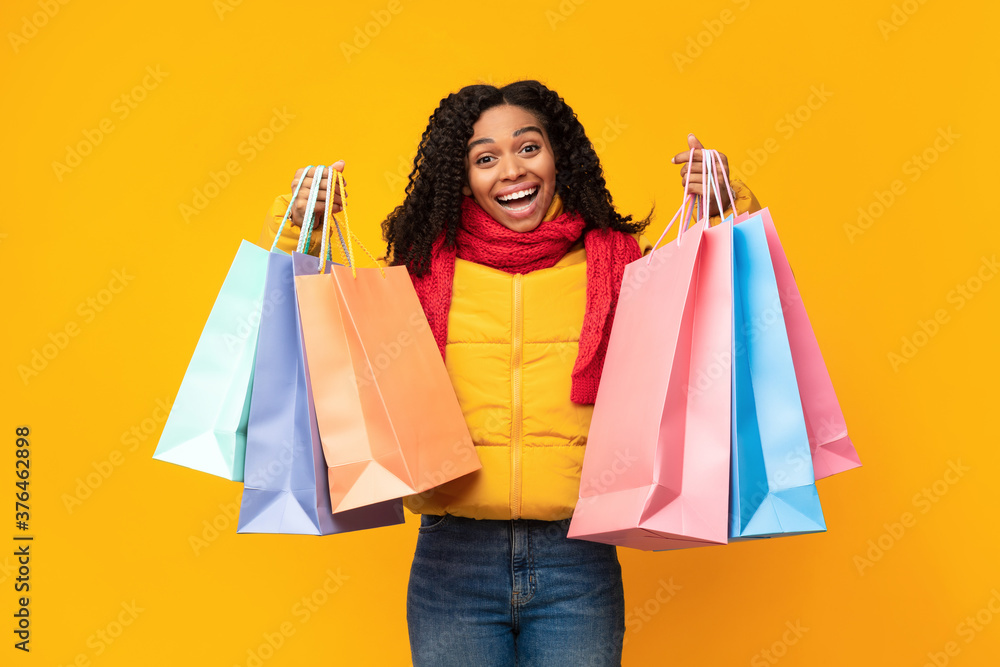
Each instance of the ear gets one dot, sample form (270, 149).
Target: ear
(466, 190)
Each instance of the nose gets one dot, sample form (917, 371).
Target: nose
(513, 169)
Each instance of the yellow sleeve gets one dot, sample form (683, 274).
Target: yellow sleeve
(290, 236)
(746, 202)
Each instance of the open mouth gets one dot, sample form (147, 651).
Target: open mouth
(518, 201)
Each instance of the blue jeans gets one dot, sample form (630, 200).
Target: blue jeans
(505, 593)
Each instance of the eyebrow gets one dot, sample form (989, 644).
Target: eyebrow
(517, 133)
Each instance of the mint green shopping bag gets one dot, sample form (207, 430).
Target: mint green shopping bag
(207, 426)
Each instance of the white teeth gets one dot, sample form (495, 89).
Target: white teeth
(520, 208)
(518, 195)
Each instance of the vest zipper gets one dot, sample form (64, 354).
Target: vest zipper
(517, 355)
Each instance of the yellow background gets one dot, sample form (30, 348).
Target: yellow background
(891, 89)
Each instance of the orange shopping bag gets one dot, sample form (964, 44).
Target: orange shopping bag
(389, 420)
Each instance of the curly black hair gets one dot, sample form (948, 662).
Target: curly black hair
(434, 192)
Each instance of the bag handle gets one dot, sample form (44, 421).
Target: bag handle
(308, 223)
(710, 178)
(707, 185)
(704, 200)
(326, 250)
(725, 179)
(729, 189)
(348, 247)
(328, 213)
(683, 211)
(288, 211)
(310, 211)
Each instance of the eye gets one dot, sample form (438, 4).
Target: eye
(484, 158)
(531, 148)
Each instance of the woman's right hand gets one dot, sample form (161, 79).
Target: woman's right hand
(299, 205)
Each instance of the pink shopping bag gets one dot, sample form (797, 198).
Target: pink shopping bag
(656, 470)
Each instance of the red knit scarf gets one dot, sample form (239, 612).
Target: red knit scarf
(483, 240)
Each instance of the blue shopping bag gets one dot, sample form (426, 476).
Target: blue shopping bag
(772, 483)
(286, 487)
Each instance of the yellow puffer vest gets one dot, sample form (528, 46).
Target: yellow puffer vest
(512, 343)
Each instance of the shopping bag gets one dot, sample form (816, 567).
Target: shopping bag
(207, 425)
(832, 450)
(285, 481)
(656, 468)
(388, 417)
(206, 428)
(773, 485)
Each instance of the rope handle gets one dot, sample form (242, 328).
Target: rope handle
(729, 189)
(348, 247)
(717, 159)
(327, 214)
(703, 209)
(685, 207)
(310, 206)
(700, 205)
(288, 212)
(710, 178)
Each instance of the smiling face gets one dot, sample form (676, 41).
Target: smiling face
(510, 167)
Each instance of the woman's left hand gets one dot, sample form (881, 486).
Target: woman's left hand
(696, 186)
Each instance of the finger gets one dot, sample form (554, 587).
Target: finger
(303, 195)
(307, 186)
(693, 143)
(306, 182)
(325, 183)
(694, 159)
(339, 166)
(310, 174)
(686, 156)
(725, 165)
(321, 206)
(336, 190)
(695, 167)
(719, 158)
(320, 210)
(338, 200)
